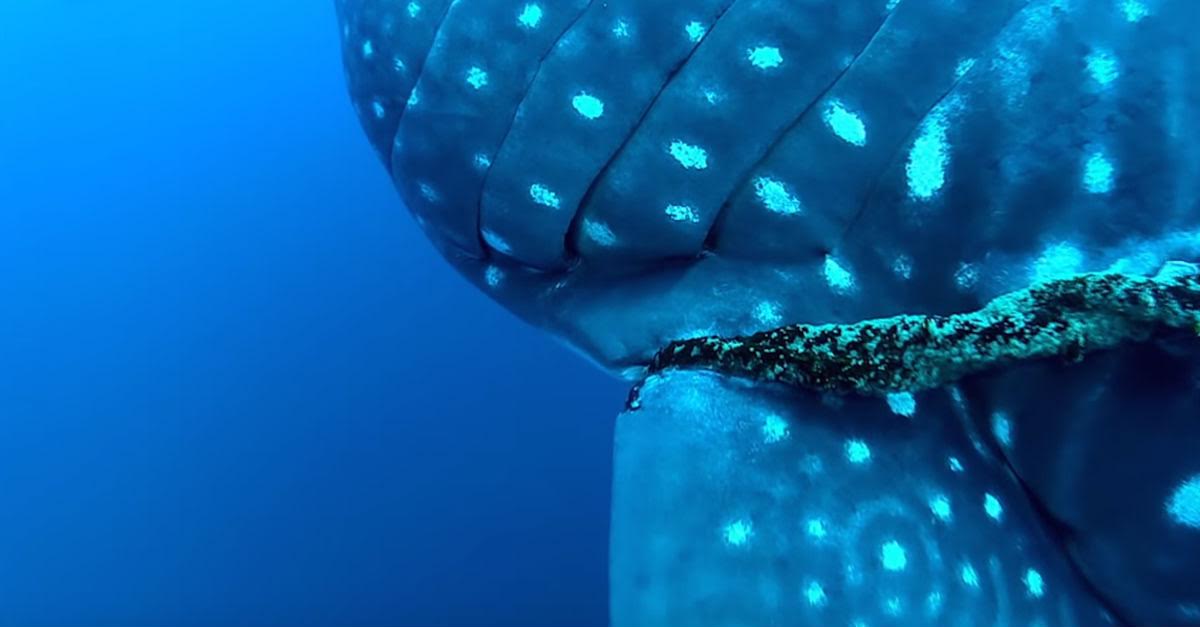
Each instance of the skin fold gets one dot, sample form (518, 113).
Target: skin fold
(839, 244)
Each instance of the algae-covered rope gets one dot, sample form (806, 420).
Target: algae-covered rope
(1065, 318)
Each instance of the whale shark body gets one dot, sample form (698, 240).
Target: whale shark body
(632, 174)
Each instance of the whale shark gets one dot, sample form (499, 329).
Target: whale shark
(905, 290)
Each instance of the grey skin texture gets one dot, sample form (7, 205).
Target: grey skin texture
(822, 513)
(627, 174)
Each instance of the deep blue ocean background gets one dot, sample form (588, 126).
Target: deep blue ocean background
(237, 386)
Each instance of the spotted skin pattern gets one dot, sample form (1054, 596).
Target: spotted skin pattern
(385, 45)
(855, 514)
(578, 141)
(1109, 464)
(467, 97)
(628, 174)
(933, 153)
(760, 67)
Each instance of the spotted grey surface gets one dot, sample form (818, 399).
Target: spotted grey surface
(848, 513)
(628, 173)
(885, 156)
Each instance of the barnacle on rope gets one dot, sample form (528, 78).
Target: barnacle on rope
(1066, 318)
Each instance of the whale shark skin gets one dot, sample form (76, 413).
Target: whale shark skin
(1098, 425)
(802, 161)
(822, 514)
(626, 174)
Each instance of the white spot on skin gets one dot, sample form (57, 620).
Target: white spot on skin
(934, 603)
(1098, 174)
(368, 49)
(428, 192)
(414, 98)
(963, 68)
(857, 452)
(815, 594)
(414, 9)
(599, 232)
(816, 528)
(695, 31)
(774, 195)
(902, 404)
(689, 156)
(892, 4)
(378, 108)
(1034, 584)
(494, 276)
(482, 161)
(1174, 270)
(992, 507)
(837, 276)
(1102, 67)
(767, 314)
(1002, 429)
(968, 576)
(1056, 262)
(939, 504)
(1134, 11)
(712, 96)
(845, 124)
(738, 532)
(682, 213)
(954, 464)
(765, 57)
(1183, 506)
(530, 16)
(621, 29)
(477, 78)
(588, 106)
(495, 242)
(966, 277)
(398, 64)
(543, 196)
(774, 429)
(893, 606)
(902, 267)
(927, 160)
(892, 556)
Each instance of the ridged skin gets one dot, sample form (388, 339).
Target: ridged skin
(630, 173)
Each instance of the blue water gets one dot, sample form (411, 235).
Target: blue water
(237, 386)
